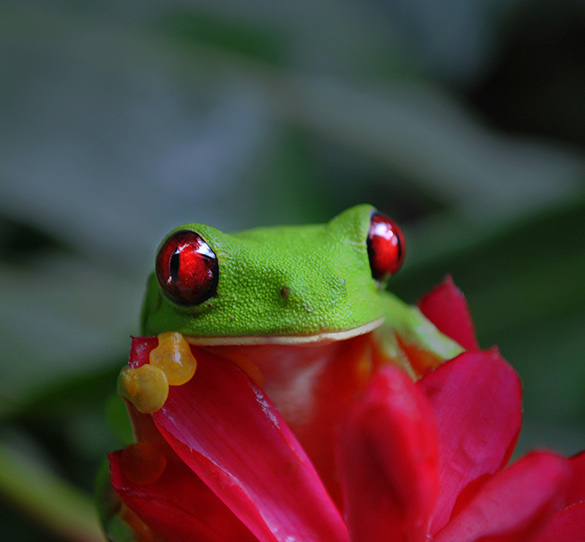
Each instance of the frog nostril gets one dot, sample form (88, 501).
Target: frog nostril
(284, 292)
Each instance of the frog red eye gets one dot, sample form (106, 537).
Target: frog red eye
(186, 268)
(385, 247)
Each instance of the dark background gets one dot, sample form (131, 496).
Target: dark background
(462, 119)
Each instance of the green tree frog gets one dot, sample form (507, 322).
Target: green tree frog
(302, 310)
(280, 289)
(284, 285)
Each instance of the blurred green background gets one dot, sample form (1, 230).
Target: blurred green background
(462, 119)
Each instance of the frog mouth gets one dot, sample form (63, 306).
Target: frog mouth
(321, 337)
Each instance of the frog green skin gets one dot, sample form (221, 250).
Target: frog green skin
(291, 285)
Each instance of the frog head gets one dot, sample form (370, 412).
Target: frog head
(291, 284)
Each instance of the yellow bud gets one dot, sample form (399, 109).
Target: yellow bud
(146, 387)
(174, 358)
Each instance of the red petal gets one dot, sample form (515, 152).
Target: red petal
(576, 491)
(178, 506)
(568, 525)
(388, 455)
(225, 429)
(477, 399)
(446, 307)
(514, 505)
(313, 388)
(140, 350)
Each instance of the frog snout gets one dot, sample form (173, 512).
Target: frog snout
(324, 292)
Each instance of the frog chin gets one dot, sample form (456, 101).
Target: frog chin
(310, 339)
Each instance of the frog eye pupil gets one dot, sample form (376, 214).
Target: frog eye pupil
(175, 263)
(187, 269)
(385, 247)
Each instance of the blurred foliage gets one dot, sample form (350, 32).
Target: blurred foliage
(463, 119)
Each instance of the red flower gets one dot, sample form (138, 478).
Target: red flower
(412, 461)
(436, 471)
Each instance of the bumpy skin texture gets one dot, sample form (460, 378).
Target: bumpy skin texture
(296, 280)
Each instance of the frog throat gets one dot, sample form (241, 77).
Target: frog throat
(322, 337)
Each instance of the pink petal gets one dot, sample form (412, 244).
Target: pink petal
(576, 491)
(477, 399)
(388, 455)
(178, 506)
(567, 525)
(513, 505)
(140, 350)
(446, 307)
(225, 429)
